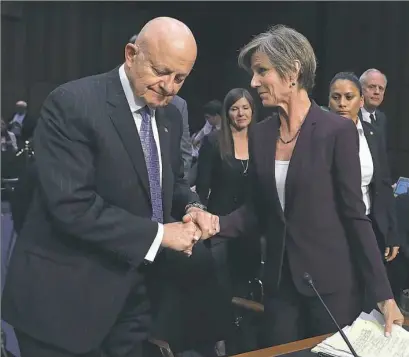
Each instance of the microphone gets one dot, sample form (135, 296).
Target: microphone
(309, 281)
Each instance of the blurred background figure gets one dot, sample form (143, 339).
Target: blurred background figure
(8, 139)
(16, 123)
(212, 115)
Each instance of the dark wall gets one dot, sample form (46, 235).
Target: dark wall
(48, 43)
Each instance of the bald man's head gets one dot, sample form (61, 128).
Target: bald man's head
(159, 61)
(21, 107)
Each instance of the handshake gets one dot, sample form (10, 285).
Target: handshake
(196, 224)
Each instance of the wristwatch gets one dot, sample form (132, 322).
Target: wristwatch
(195, 205)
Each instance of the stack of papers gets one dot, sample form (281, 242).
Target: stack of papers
(367, 337)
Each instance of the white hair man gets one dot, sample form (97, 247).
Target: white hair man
(374, 84)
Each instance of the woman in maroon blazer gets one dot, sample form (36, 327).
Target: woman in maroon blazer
(306, 198)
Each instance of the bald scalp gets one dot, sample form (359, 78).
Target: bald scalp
(163, 31)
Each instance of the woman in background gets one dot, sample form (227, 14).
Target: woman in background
(346, 99)
(223, 167)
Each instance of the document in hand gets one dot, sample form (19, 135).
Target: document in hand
(366, 335)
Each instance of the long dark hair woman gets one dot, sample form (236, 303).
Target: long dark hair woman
(223, 183)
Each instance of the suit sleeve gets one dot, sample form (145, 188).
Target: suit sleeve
(402, 213)
(182, 194)
(185, 144)
(393, 237)
(65, 152)
(347, 180)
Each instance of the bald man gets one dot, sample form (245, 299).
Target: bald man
(16, 123)
(109, 173)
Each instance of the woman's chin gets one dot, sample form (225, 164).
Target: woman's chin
(268, 102)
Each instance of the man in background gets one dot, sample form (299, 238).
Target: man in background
(17, 122)
(212, 112)
(374, 84)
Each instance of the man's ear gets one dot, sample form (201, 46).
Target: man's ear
(131, 53)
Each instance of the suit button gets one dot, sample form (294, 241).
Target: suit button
(235, 199)
(376, 193)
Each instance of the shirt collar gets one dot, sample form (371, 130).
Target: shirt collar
(365, 112)
(135, 103)
(359, 127)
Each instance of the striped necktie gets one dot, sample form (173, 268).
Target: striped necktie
(150, 152)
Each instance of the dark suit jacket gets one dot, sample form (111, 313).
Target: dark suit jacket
(81, 250)
(323, 229)
(383, 212)
(29, 125)
(381, 124)
(23, 195)
(402, 209)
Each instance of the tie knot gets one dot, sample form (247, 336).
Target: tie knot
(372, 117)
(145, 113)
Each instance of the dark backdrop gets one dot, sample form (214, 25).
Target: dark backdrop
(48, 43)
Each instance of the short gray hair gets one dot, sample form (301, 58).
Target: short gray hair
(364, 75)
(283, 46)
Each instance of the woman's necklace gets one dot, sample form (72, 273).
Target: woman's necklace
(245, 167)
(295, 135)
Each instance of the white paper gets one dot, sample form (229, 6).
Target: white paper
(366, 336)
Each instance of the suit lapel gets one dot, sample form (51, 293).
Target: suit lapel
(123, 121)
(164, 130)
(300, 158)
(360, 115)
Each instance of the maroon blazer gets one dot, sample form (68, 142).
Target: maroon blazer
(323, 229)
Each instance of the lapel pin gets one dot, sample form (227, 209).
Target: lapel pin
(166, 129)
(371, 132)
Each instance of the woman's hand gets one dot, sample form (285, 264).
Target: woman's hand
(392, 314)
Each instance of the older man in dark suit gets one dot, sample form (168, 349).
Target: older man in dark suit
(109, 173)
(374, 84)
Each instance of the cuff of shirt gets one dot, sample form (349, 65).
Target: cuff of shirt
(153, 250)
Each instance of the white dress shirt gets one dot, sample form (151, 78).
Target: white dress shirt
(135, 104)
(365, 158)
(281, 169)
(366, 114)
(18, 118)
